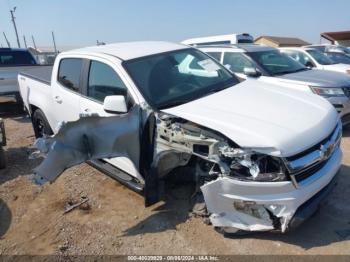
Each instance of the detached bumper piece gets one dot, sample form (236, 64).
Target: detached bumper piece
(307, 209)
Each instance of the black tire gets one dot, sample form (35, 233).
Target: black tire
(2, 158)
(40, 124)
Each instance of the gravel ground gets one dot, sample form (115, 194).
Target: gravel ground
(115, 221)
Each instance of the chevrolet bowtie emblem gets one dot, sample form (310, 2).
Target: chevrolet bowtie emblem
(325, 152)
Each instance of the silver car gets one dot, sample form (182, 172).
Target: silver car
(270, 65)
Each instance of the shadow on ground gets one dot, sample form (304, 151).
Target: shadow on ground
(16, 157)
(175, 210)
(320, 230)
(9, 108)
(5, 218)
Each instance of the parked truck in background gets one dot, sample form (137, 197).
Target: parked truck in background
(13, 61)
(263, 158)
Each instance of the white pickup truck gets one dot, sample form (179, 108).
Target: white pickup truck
(263, 157)
(13, 61)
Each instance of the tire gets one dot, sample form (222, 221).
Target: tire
(40, 124)
(2, 158)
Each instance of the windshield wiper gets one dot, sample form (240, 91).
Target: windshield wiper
(291, 72)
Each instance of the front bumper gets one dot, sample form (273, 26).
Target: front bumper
(342, 105)
(264, 206)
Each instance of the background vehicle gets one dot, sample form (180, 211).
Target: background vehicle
(313, 58)
(267, 64)
(2, 144)
(13, 61)
(220, 39)
(154, 107)
(338, 57)
(331, 48)
(337, 53)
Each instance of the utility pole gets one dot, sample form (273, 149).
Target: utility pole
(24, 40)
(7, 41)
(54, 42)
(14, 25)
(33, 42)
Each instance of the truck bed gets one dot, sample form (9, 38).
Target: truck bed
(39, 73)
(8, 76)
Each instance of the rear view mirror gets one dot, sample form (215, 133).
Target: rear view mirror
(115, 104)
(251, 72)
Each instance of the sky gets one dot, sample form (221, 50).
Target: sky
(82, 22)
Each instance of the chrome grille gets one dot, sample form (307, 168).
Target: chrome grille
(308, 162)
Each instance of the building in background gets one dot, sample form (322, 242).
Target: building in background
(338, 38)
(277, 41)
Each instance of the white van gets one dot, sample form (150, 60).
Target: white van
(220, 39)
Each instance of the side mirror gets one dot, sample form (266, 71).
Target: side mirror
(115, 105)
(309, 64)
(251, 72)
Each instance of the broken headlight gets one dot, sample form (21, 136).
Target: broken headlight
(253, 166)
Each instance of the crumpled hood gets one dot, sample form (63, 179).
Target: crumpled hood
(321, 78)
(279, 121)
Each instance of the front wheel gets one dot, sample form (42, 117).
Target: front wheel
(2, 158)
(40, 124)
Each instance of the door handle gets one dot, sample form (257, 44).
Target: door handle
(2, 78)
(58, 99)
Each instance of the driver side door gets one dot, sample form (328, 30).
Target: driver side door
(102, 80)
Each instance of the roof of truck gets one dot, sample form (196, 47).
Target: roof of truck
(131, 50)
(6, 49)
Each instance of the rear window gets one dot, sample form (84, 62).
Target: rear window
(16, 58)
(69, 73)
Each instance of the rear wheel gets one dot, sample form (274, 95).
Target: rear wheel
(40, 124)
(2, 158)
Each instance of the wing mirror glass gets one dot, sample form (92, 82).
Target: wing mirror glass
(115, 104)
(251, 72)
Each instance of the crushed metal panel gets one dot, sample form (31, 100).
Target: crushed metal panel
(89, 138)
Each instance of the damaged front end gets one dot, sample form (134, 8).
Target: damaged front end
(244, 189)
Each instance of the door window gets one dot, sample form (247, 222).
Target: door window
(216, 55)
(299, 56)
(104, 81)
(237, 62)
(69, 73)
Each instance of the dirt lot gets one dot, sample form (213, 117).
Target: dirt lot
(115, 221)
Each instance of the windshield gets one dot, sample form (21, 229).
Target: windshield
(178, 77)
(320, 57)
(16, 58)
(276, 63)
(339, 57)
